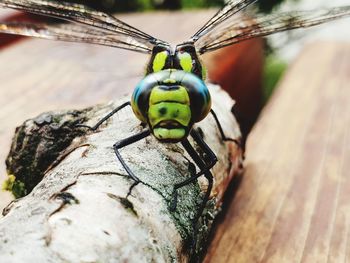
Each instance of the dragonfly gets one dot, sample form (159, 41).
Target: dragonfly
(173, 96)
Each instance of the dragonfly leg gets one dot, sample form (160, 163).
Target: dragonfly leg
(192, 170)
(205, 167)
(126, 142)
(98, 124)
(223, 136)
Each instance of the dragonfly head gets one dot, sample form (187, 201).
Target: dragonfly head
(183, 57)
(170, 102)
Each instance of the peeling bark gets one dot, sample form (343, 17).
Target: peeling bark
(78, 210)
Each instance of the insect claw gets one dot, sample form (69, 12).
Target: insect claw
(131, 188)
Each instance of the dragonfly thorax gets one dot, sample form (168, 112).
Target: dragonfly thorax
(183, 57)
(170, 102)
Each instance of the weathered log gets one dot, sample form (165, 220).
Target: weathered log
(78, 210)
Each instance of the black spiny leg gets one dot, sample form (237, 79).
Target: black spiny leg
(223, 136)
(126, 142)
(93, 128)
(205, 170)
(211, 159)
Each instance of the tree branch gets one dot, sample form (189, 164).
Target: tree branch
(79, 211)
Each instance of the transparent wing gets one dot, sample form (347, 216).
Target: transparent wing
(82, 15)
(240, 29)
(232, 7)
(73, 33)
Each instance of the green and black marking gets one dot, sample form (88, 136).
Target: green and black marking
(170, 102)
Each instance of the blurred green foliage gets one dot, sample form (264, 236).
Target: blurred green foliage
(273, 70)
(142, 5)
(201, 3)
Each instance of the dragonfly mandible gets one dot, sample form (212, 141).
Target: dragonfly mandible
(173, 96)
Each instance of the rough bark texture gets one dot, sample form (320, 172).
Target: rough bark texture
(78, 211)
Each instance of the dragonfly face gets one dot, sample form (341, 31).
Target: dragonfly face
(173, 96)
(183, 57)
(170, 102)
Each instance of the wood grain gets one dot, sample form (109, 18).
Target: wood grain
(39, 75)
(293, 201)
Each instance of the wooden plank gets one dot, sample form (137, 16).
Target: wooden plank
(39, 75)
(293, 201)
